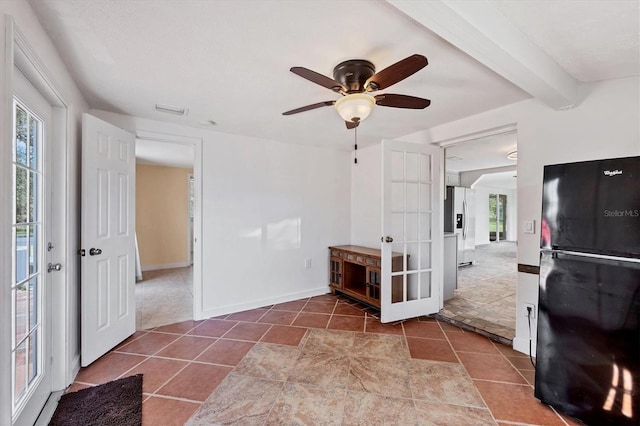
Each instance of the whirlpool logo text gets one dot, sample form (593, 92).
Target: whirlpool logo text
(612, 172)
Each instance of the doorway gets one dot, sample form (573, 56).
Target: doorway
(31, 266)
(165, 218)
(484, 298)
(35, 307)
(497, 217)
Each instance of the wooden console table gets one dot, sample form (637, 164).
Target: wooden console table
(356, 272)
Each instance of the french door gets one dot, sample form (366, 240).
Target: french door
(411, 229)
(30, 274)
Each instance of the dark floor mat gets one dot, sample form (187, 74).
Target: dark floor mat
(117, 403)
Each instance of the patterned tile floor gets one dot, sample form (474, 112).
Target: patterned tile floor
(485, 300)
(322, 361)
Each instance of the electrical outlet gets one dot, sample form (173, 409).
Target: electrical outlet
(307, 263)
(526, 310)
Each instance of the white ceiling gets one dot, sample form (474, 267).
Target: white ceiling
(486, 153)
(591, 40)
(504, 180)
(228, 61)
(164, 154)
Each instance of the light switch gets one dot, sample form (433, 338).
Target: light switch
(529, 226)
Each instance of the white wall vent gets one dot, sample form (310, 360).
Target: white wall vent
(171, 110)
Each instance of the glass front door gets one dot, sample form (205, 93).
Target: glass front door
(497, 217)
(30, 342)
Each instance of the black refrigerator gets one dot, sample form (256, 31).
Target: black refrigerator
(588, 341)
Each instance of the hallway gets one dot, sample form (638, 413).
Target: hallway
(485, 300)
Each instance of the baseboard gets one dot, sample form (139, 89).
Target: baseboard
(230, 309)
(522, 345)
(164, 266)
(49, 408)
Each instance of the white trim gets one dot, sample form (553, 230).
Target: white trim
(484, 33)
(190, 227)
(519, 344)
(18, 52)
(522, 345)
(481, 134)
(74, 365)
(239, 307)
(49, 408)
(165, 266)
(5, 218)
(197, 213)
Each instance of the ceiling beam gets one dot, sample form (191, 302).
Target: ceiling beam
(481, 31)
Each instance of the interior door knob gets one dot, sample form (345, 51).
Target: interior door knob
(94, 252)
(388, 239)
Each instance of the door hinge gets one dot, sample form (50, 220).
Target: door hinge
(81, 252)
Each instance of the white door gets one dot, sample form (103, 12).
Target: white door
(31, 230)
(411, 229)
(108, 308)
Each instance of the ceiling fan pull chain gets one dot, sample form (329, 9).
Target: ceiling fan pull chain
(355, 144)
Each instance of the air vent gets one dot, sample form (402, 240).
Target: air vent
(172, 110)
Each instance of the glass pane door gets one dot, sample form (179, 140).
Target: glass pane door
(27, 266)
(411, 282)
(497, 217)
(502, 217)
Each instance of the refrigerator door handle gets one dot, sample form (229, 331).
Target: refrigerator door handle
(464, 219)
(556, 252)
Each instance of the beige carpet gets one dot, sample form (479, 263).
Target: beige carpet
(486, 296)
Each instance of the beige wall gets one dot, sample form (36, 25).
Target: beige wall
(161, 215)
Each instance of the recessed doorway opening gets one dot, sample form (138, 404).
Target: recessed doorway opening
(165, 232)
(483, 296)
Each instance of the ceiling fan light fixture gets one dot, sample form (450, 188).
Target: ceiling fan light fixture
(355, 107)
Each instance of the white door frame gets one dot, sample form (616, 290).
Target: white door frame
(196, 143)
(190, 222)
(18, 52)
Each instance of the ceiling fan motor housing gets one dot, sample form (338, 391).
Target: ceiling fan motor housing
(353, 73)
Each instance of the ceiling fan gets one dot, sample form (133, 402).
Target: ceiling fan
(355, 79)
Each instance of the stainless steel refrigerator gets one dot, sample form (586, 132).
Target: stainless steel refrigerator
(588, 346)
(460, 218)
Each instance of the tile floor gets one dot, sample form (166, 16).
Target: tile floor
(324, 360)
(163, 297)
(485, 300)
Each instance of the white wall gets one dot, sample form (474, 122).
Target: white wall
(66, 175)
(605, 125)
(482, 212)
(366, 197)
(266, 207)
